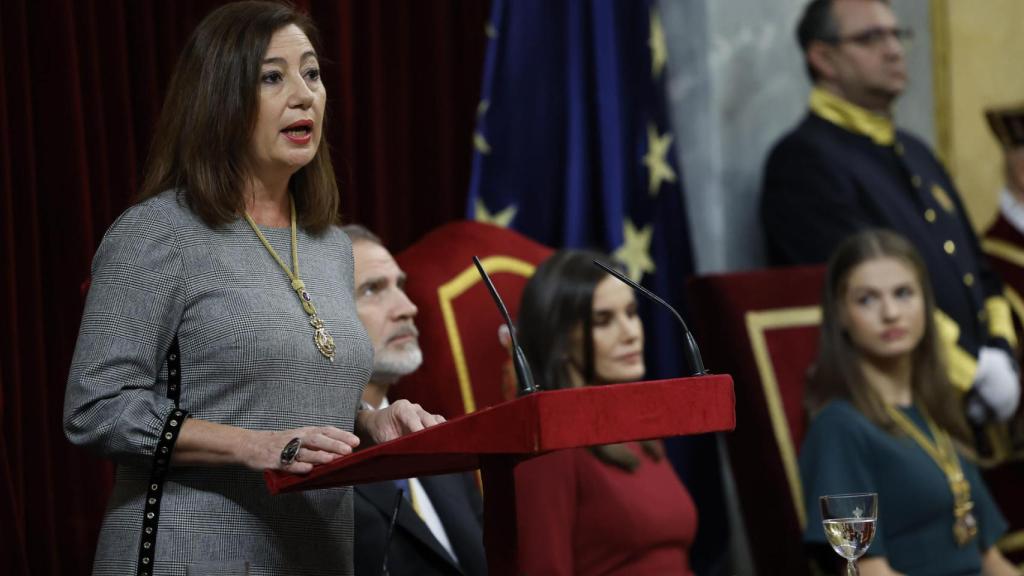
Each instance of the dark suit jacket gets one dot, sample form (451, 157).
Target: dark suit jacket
(823, 183)
(414, 550)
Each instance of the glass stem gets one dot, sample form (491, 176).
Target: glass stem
(851, 568)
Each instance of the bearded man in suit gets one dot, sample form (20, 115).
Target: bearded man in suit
(439, 527)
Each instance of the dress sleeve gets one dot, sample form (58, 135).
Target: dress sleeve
(991, 524)
(116, 400)
(546, 512)
(836, 459)
(807, 207)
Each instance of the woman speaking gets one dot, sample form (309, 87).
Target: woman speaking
(219, 336)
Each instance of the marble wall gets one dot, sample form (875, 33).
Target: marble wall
(737, 83)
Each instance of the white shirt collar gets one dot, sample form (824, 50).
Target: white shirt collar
(1012, 209)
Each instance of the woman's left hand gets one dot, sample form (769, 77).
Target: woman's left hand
(402, 417)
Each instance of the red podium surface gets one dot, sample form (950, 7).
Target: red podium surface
(496, 438)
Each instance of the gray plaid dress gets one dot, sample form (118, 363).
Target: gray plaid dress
(247, 359)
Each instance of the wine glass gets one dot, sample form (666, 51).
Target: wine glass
(849, 522)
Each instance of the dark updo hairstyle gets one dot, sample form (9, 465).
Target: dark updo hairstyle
(838, 374)
(558, 298)
(202, 139)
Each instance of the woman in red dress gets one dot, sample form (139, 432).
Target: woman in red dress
(613, 509)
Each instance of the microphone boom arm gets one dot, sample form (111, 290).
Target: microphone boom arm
(692, 351)
(523, 374)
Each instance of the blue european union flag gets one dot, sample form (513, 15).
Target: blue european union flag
(574, 145)
(574, 148)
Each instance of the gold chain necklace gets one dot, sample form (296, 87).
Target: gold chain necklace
(965, 526)
(321, 337)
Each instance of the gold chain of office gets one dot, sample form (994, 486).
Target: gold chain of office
(321, 337)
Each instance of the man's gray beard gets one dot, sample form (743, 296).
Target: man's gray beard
(389, 367)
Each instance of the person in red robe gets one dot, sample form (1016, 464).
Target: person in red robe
(1004, 240)
(1003, 243)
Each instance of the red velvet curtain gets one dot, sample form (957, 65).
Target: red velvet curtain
(81, 84)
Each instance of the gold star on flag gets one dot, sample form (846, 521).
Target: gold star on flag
(635, 251)
(479, 140)
(656, 160)
(502, 218)
(481, 144)
(659, 50)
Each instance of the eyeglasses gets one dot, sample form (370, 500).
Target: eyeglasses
(874, 37)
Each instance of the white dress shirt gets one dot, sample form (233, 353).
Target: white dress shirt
(422, 504)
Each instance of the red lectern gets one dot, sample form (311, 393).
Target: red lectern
(495, 439)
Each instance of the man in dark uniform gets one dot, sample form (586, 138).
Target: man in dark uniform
(439, 528)
(846, 167)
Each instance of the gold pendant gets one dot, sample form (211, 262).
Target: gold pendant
(965, 527)
(324, 341)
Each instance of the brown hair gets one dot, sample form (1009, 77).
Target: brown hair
(838, 374)
(202, 138)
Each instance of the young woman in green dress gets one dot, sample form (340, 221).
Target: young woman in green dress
(886, 420)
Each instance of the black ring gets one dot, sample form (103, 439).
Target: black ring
(291, 451)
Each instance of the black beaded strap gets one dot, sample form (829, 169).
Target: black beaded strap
(161, 462)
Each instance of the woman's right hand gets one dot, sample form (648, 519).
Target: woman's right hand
(318, 445)
(204, 443)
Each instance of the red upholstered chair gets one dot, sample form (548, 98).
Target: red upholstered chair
(762, 327)
(458, 320)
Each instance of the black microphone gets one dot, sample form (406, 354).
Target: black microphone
(391, 531)
(523, 374)
(692, 351)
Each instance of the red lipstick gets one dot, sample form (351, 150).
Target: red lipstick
(299, 132)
